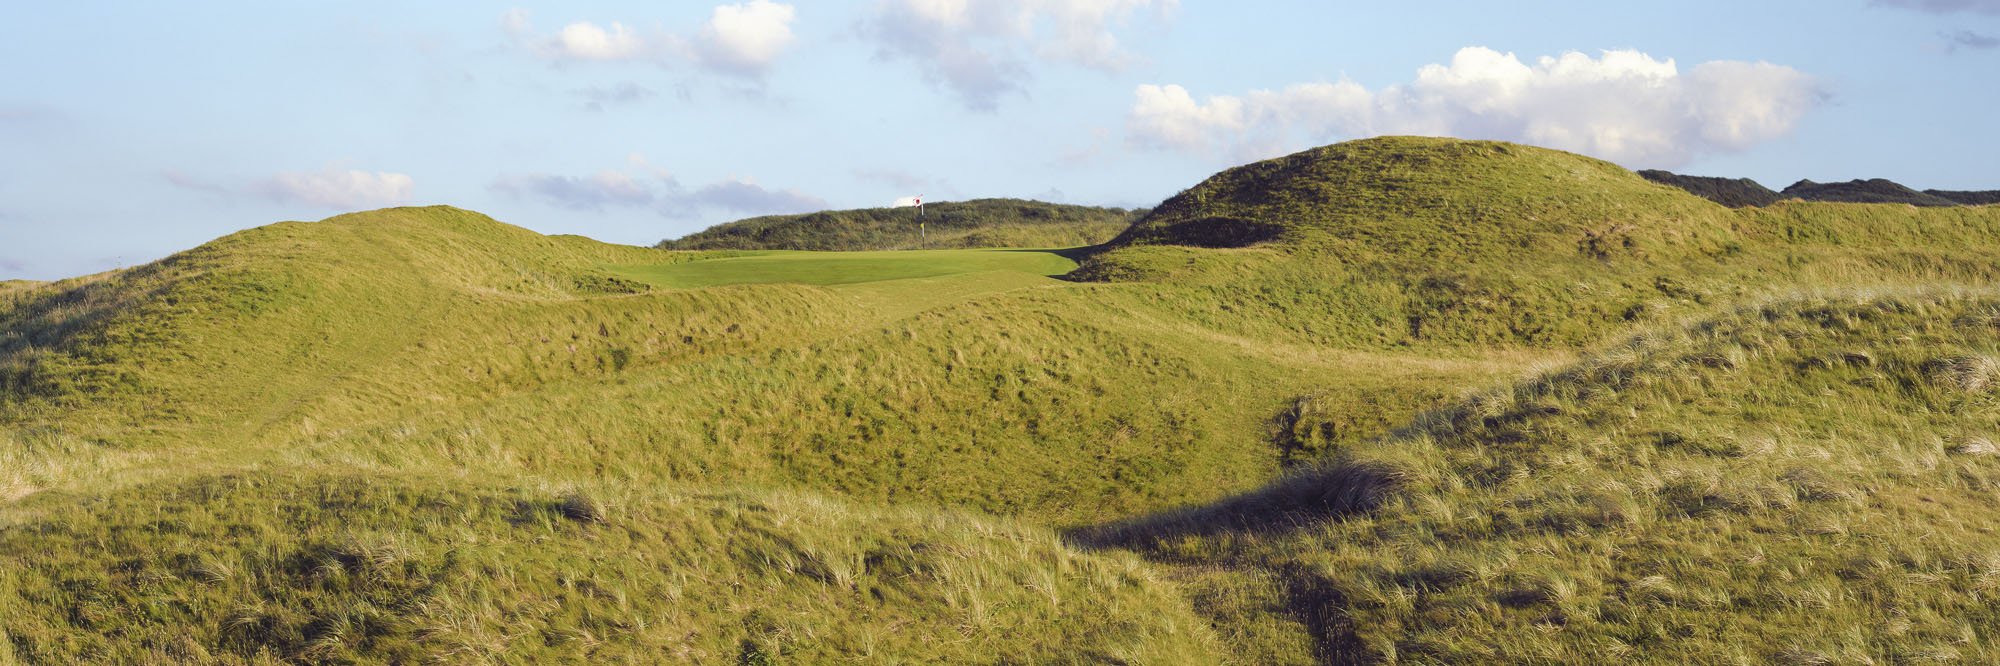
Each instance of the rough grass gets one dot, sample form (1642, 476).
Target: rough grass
(1403, 242)
(943, 389)
(1406, 200)
(1731, 192)
(450, 358)
(305, 566)
(1790, 482)
(414, 340)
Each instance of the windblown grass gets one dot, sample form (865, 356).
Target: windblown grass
(1795, 481)
(1759, 464)
(306, 566)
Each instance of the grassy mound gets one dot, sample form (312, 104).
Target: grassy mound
(1743, 192)
(1734, 193)
(979, 223)
(166, 431)
(1789, 482)
(1967, 198)
(395, 340)
(1410, 199)
(1873, 190)
(326, 568)
(265, 316)
(1426, 243)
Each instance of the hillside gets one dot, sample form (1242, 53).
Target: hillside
(192, 340)
(1743, 192)
(978, 223)
(339, 568)
(1720, 491)
(1731, 192)
(1399, 241)
(1408, 198)
(1873, 190)
(412, 350)
(1967, 198)
(378, 339)
(1257, 427)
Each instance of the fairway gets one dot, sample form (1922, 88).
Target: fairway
(829, 268)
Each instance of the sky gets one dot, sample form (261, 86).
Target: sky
(129, 131)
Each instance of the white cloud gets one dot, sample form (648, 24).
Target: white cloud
(606, 188)
(980, 49)
(745, 196)
(744, 39)
(331, 187)
(655, 188)
(740, 40)
(1623, 106)
(1168, 117)
(582, 40)
(1080, 31)
(335, 188)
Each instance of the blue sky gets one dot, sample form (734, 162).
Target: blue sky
(129, 131)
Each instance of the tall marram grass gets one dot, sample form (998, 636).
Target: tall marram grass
(534, 446)
(1721, 491)
(316, 566)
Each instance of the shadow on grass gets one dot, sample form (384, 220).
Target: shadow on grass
(1300, 500)
(1077, 253)
(1307, 497)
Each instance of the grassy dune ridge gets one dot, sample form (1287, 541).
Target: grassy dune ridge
(1259, 426)
(978, 223)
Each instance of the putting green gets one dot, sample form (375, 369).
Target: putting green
(830, 268)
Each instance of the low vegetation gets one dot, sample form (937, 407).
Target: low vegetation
(1731, 192)
(1873, 190)
(1744, 192)
(1795, 481)
(1399, 400)
(328, 567)
(1967, 198)
(978, 223)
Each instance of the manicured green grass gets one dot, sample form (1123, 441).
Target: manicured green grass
(827, 268)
